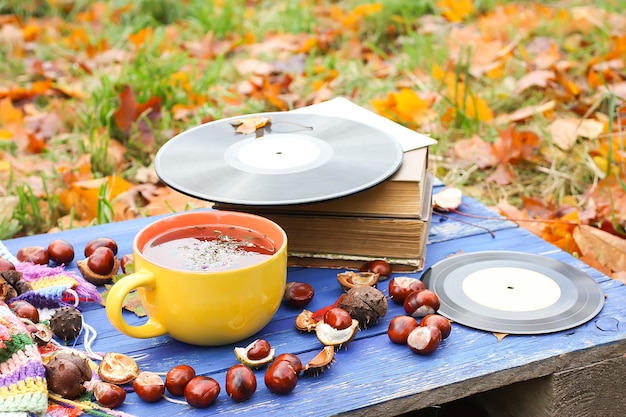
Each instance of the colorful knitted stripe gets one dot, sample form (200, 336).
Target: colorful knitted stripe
(22, 375)
(42, 277)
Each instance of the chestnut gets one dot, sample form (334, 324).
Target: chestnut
(378, 266)
(98, 242)
(401, 287)
(101, 261)
(149, 386)
(439, 321)
(256, 355)
(109, 395)
(424, 340)
(293, 359)
(127, 263)
(281, 378)
(25, 310)
(201, 391)
(400, 327)
(6, 265)
(298, 294)
(178, 377)
(421, 303)
(35, 254)
(259, 349)
(336, 328)
(61, 251)
(240, 382)
(338, 318)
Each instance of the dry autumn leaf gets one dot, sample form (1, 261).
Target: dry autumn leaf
(250, 124)
(608, 249)
(565, 132)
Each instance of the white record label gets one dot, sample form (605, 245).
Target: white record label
(511, 289)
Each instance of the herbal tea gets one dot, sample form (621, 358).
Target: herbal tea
(208, 248)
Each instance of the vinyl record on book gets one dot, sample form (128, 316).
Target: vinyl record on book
(513, 292)
(293, 159)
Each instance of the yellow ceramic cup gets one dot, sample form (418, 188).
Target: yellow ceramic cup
(203, 308)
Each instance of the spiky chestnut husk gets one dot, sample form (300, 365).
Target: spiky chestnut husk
(94, 278)
(321, 362)
(66, 374)
(365, 304)
(66, 323)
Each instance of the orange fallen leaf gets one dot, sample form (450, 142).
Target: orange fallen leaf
(500, 336)
(538, 78)
(608, 249)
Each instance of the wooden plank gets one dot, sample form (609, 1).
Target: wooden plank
(372, 375)
(596, 389)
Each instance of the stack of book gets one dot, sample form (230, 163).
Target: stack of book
(387, 221)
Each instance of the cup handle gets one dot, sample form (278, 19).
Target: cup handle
(115, 299)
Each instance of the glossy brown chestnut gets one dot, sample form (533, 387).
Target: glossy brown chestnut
(298, 294)
(240, 382)
(6, 265)
(178, 377)
(401, 287)
(338, 318)
(378, 266)
(24, 310)
(61, 251)
(439, 321)
(400, 327)
(98, 242)
(109, 395)
(127, 263)
(259, 349)
(149, 386)
(421, 303)
(101, 261)
(201, 391)
(424, 340)
(281, 378)
(293, 359)
(35, 254)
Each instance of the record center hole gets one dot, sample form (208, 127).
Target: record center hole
(510, 287)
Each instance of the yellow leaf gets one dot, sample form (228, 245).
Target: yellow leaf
(83, 196)
(8, 113)
(456, 10)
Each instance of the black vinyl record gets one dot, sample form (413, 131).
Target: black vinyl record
(295, 158)
(513, 292)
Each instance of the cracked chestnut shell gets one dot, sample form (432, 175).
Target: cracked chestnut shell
(350, 279)
(256, 355)
(320, 362)
(336, 328)
(100, 275)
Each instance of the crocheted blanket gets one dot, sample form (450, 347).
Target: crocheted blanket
(22, 375)
(23, 386)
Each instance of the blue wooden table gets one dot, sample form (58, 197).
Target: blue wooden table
(580, 371)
